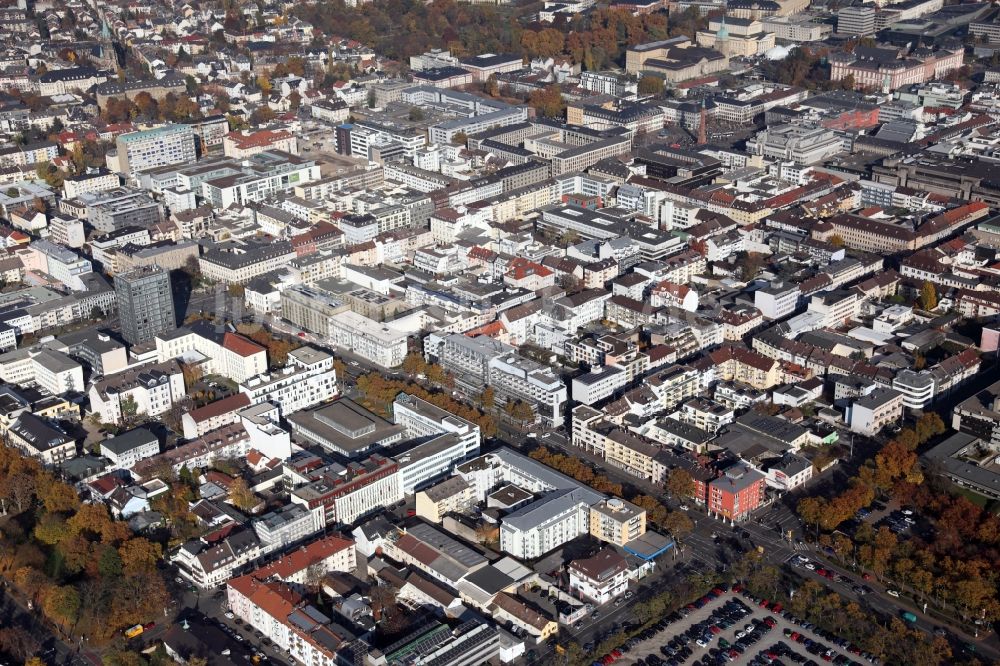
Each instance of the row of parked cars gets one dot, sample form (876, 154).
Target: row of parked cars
(682, 650)
(817, 648)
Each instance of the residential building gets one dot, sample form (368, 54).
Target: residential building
(286, 525)
(453, 495)
(378, 342)
(163, 146)
(600, 578)
(546, 524)
(150, 389)
(617, 521)
(869, 414)
(37, 438)
(307, 380)
(346, 493)
(128, 448)
(737, 492)
(215, 351)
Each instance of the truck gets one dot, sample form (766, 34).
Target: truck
(908, 616)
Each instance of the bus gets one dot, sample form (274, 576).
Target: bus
(132, 632)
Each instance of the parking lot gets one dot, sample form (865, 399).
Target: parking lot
(747, 623)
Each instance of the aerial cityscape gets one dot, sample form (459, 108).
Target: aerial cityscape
(464, 333)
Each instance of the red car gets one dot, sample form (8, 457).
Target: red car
(718, 591)
(737, 588)
(776, 608)
(829, 574)
(794, 636)
(763, 603)
(302, 334)
(616, 653)
(866, 576)
(821, 572)
(770, 621)
(715, 630)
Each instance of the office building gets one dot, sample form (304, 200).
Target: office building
(145, 304)
(857, 21)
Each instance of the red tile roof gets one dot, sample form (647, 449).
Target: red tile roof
(226, 405)
(242, 346)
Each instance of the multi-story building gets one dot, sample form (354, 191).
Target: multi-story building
(870, 413)
(736, 492)
(798, 143)
(92, 180)
(378, 342)
(546, 524)
(421, 420)
(270, 599)
(858, 20)
(63, 264)
(453, 495)
(150, 389)
(348, 493)
(228, 354)
(241, 145)
(148, 149)
(286, 525)
(514, 377)
(238, 262)
(231, 441)
(37, 438)
(203, 420)
(47, 369)
(127, 449)
(886, 70)
(208, 565)
(67, 231)
(600, 578)
(121, 208)
(616, 521)
(307, 380)
(145, 303)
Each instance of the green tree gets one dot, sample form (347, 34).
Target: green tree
(928, 296)
(416, 114)
(651, 85)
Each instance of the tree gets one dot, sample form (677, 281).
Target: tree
(837, 240)
(928, 296)
(295, 100)
(488, 397)
(651, 85)
(492, 87)
(416, 114)
(459, 138)
(129, 408)
(548, 101)
(139, 556)
(241, 495)
(680, 484)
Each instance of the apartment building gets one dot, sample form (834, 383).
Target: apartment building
(453, 495)
(148, 389)
(63, 264)
(307, 379)
(270, 600)
(546, 524)
(67, 232)
(286, 525)
(601, 578)
(149, 149)
(211, 565)
(219, 352)
(121, 208)
(514, 377)
(230, 441)
(127, 449)
(737, 492)
(203, 420)
(37, 438)
(870, 413)
(617, 521)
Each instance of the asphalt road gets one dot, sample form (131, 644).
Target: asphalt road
(53, 650)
